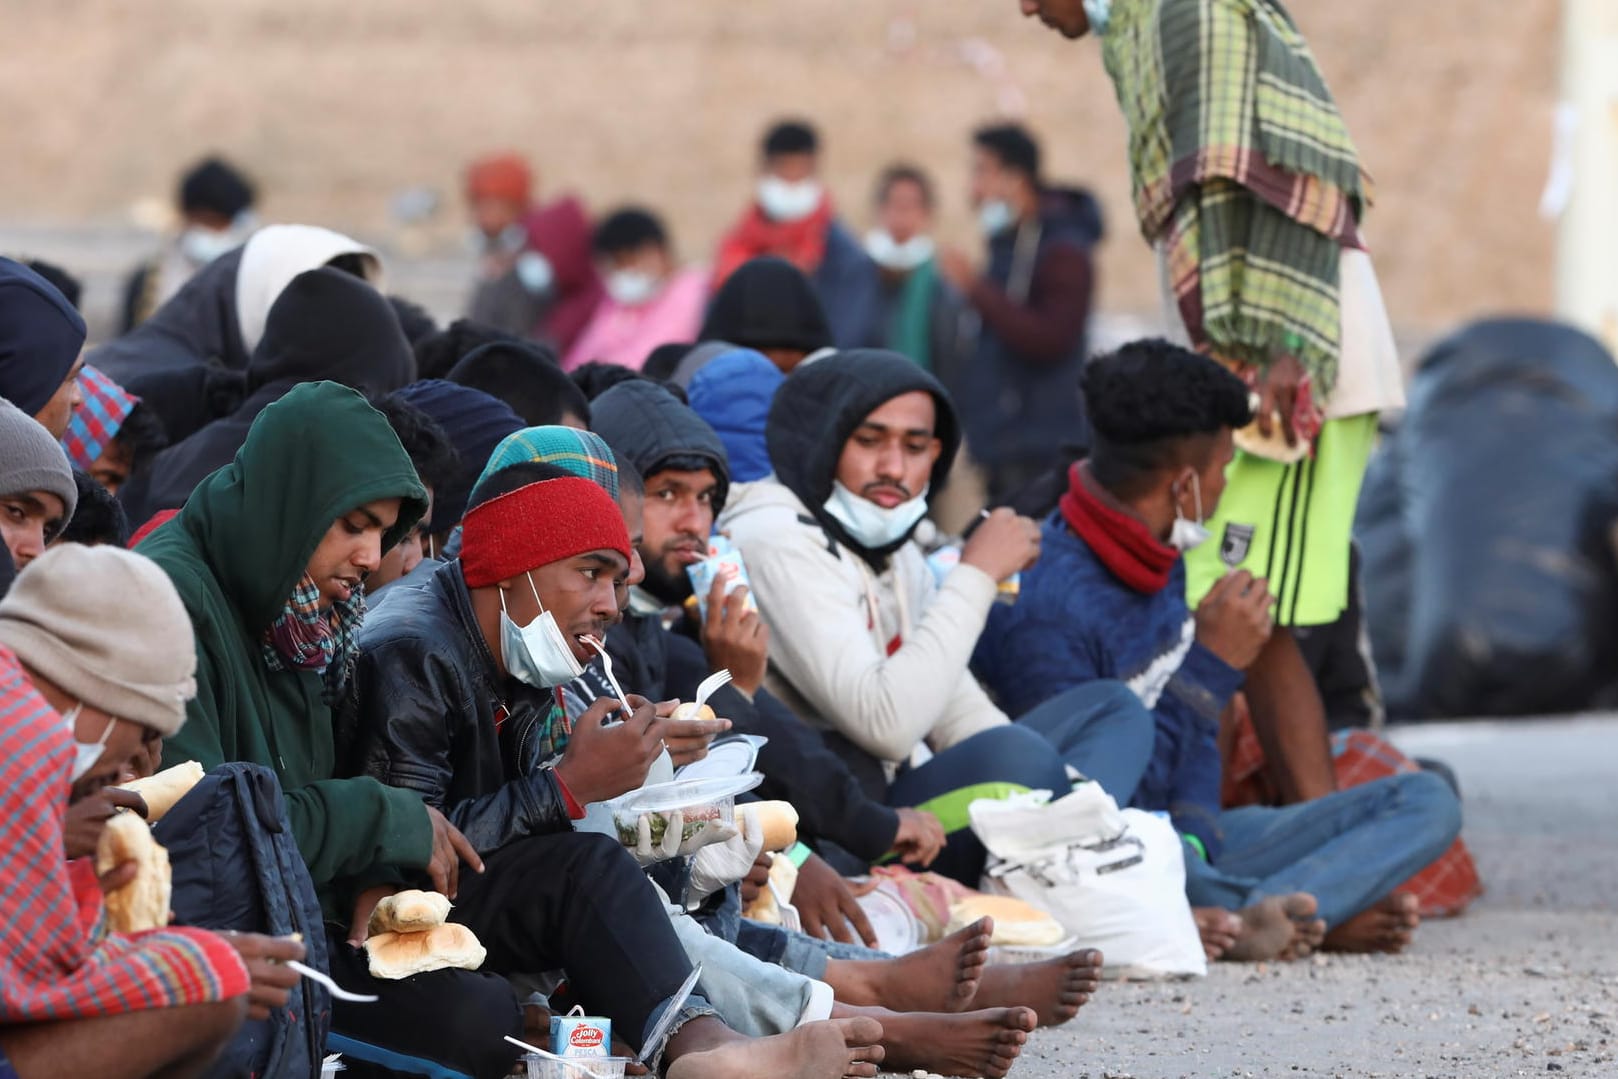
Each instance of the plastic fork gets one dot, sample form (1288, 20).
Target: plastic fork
(709, 686)
(332, 987)
(606, 666)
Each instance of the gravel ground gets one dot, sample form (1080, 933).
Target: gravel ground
(1526, 983)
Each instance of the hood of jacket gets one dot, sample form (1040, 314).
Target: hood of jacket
(817, 409)
(40, 337)
(733, 392)
(276, 254)
(327, 324)
(768, 303)
(310, 457)
(646, 424)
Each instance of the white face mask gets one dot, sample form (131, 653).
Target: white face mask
(536, 654)
(786, 200)
(201, 246)
(1187, 534)
(872, 525)
(631, 288)
(888, 253)
(534, 272)
(85, 754)
(1099, 13)
(995, 216)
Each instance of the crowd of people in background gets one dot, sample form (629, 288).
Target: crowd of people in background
(417, 597)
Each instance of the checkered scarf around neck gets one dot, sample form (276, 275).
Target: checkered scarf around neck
(303, 638)
(1244, 172)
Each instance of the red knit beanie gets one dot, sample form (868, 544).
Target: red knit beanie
(536, 525)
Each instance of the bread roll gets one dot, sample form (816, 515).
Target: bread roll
(408, 912)
(1016, 924)
(1273, 448)
(143, 903)
(784, 877)
(165, 788)
(779, 822)
(399, 955)
(689, 710)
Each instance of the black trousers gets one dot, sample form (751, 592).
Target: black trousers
(572, 901)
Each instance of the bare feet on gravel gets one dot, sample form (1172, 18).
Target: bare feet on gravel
(1056, 989)
(1386, 927)
(1278, 927)
(942, 977)
(830, 1050)
(982, 1043)
(1219, 930)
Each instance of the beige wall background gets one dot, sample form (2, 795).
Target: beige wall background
(337, 107)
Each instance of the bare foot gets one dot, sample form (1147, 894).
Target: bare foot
(1386, 927)
(942, 977)
(983, 1043)
(1056, 989)
(1277, 927)
(1219, 930)
(829, 1050)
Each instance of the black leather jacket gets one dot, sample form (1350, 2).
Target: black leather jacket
(430, 710)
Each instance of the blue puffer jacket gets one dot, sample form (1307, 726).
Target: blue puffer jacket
(1074, 622)
(733, 393)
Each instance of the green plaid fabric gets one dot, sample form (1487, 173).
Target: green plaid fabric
(582, 453)
(1242, 170)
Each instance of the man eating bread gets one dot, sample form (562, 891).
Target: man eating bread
(96, 661)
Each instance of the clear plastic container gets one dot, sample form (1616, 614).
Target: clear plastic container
(579, 1068)
(669, 820)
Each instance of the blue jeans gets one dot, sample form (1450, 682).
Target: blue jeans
(1349, 849)
(1103, 731)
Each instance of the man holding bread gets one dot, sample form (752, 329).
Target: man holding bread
(96, 662)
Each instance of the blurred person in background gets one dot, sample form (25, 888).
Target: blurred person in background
(1018, 387)
(768, 304)
(215, 203)
(650, 301)
(535, 275)
(1253, 203)
(915, 311)
(792, 217)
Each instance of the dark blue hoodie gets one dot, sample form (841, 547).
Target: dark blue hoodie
(40, 337)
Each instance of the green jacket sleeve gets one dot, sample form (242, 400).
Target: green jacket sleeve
(344, 827)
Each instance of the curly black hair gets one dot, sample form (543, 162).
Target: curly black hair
(1147, 399)
(628, 229)
(424, 441)
(98, 518)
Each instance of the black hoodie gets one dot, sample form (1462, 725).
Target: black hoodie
(646, 425)
(820, 406)
(326, 325)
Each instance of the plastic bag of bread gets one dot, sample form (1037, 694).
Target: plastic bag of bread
(408, 912)
(399, 955)
(162, 790)
(143, 903)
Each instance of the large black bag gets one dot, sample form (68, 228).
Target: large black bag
(1508, 480)
(236, 866)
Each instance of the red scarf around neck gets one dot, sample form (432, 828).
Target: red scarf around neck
(1123, 542)
(801, 242)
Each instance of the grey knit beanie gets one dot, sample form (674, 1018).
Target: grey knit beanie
(31, 460)
(106, 627)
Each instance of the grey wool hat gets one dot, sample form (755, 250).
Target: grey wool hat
(31, 460)
(105, 626)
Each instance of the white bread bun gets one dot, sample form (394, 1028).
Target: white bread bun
(143, 903)
(165, 788)
(784, 876)
(408, 912)
(779, 822)
(689, 710)
(1016, 924)
(399, 955)
(1273, 448)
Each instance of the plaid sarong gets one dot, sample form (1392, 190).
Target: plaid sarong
(1242, 170)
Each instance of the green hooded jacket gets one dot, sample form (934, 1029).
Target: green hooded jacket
(235, 553)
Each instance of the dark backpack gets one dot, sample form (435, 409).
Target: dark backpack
(236, 866)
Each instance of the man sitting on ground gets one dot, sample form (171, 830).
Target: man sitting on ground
(37, 492)
(1107, 601)
(96, 662)
(863, 644)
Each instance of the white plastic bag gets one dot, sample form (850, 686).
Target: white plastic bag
(1114, 878)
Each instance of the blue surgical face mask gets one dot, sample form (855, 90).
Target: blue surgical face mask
(1099, 13)
(995, 216)
(871, 525)
(537, 654)
(1186, 533)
